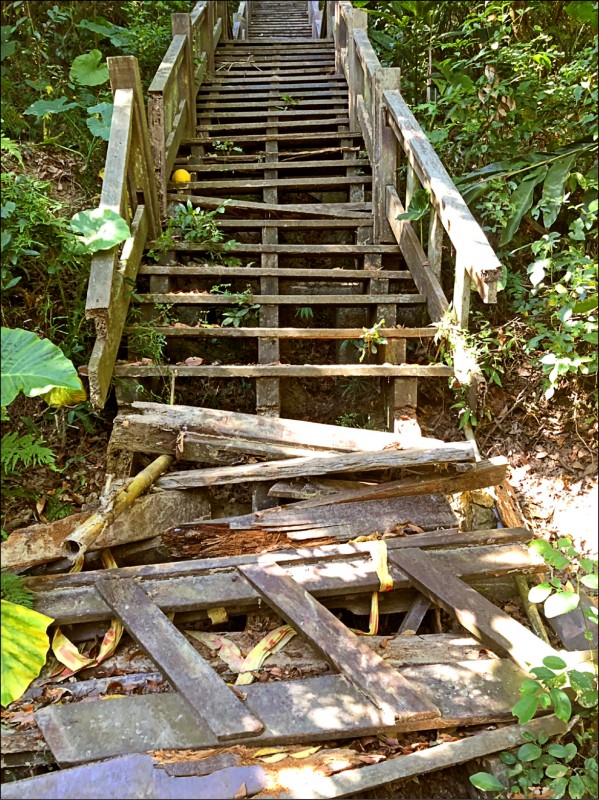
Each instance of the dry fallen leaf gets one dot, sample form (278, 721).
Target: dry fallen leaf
(266, 751)
(307, 752)
(273, 759)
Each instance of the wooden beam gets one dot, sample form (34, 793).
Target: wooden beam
(284, 371)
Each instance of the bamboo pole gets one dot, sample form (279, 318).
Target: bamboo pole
(78, 542)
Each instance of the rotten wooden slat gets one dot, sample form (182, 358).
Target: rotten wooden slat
(317, 209)
(474, 612)
(415, 615)
(320, 465)
(73, 598)
(341, 648)
(353, 782)
(212, 701)
(307, 710)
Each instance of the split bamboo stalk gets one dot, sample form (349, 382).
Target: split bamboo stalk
(78, 542)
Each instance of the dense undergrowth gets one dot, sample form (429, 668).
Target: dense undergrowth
(507, 93)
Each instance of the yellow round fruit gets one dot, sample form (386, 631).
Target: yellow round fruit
(181, 176)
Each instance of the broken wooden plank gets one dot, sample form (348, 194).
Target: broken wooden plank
(320, 465)
(474, 612)
(212, 701)
(317, 209)
(471, 476)
(415, 615)
(353, 782)
(307, 710)
(339, 646)
(282, 371)
(197, 298)
(42, 543)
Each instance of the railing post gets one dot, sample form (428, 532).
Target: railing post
(385, 162)
(357, 21)
(337, 35)
(124, 74)
(181, 24)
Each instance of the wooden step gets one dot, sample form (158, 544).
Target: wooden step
(298, 249)
(259, 78)
(306, 95)
(249, 166)
(318, 209)
(198, 299)
(308, 273)
(276, 137)
(306, 40)
(253, 126)
(290, 333)
(313, 183)
(273, 102)
(289, 113)
(300, 224)
(284, 371)
(329, 83)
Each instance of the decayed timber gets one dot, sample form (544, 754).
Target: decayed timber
(386, 688)
(197, 298)
(319, 465)
(212, 701)
(353, 782)
(305, 710)
(42, 543)
(474, 612)
(317, 209)
(73, 598)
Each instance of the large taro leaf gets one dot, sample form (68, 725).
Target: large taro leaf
(86, 70)
(44, 108)
(100, 120)
(98, 229)
(521, 201)
(36, 367)
(23, 648)
(554, 188)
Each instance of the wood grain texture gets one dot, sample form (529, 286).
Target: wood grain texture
(339, 646)
(204, 691)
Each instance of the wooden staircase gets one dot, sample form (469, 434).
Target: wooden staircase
(274, 147)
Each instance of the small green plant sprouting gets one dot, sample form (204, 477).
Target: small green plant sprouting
(197, 225)
(305, 313)
(13, 591)
(288, 100)
(25, 450)
(354, 420)
(371, 339)
(245, 309)
(227, 146)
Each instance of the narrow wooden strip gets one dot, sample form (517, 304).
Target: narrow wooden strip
(270, 137)
(290, 333)
(189, 298)
(213, 702)
(415, 615)
(254, 126)
(309, 273)
(474, 612)
(312, 182)
(386, 688)
(240, 166)
(284, 371)
(303, 249)
(319, 209)
(320, 465)
(302, 224)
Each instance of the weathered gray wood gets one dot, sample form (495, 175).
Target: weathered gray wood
(474, 612)
(299, 711)
(73, 598)
(391, 693)
(320, 465)
(109, 325)
(415, 614)
(253, 166)
(301, 224)
(435, 244)
(42, 543)
(385, 152)
(290, 333)
(154, 419)
(313, 182)
(285, 137)
(469, 240)
(286, 371)
(190, 298)
(257, 126)
(212, 701)
(475, 476)
(319, 209)
(353, 782)
(313, 489)
(296, 249)
(415, 258)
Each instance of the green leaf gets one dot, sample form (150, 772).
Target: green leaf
(528, 752)
(583, 11)
(540, 593)
(561, 704)
(23, 648)
(86, 70)
(577, 788)
(525, 709)
(486, 782)
(100, 121)
(590, 581)
(521, 202)
(556, 770)
(560, 603)
(43, 108)
(34, 366)
(418, 207)
(558, 751)
(99, 229)
(554, 188)
(558, 787)
(528, 687)
(571, 751)
(507, 758)
(554, 662)
(584, 306)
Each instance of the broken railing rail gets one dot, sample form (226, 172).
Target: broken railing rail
(129, 190)
(241, 20)
(389, 127)
(172, 93)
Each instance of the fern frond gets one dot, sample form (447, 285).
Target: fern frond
(10, 147)
(25, 450)
(12, 589)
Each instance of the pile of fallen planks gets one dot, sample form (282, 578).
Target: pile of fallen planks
(342, 522)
